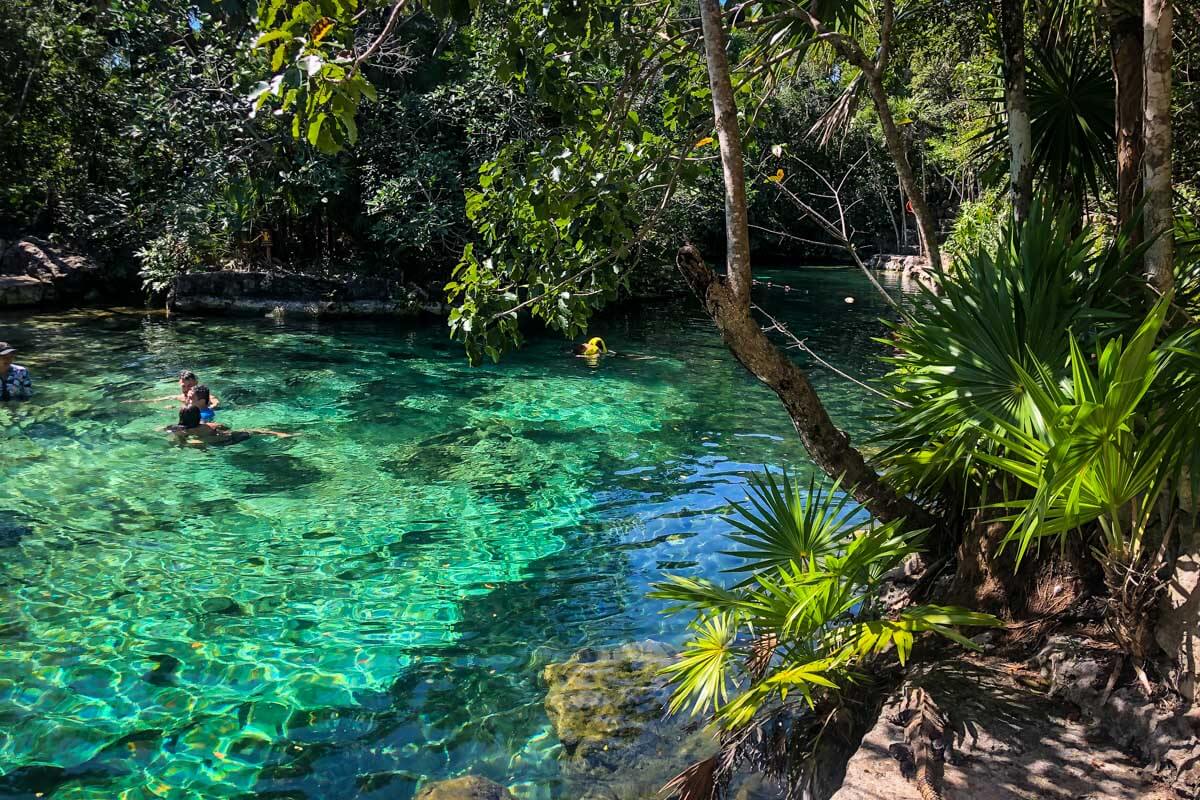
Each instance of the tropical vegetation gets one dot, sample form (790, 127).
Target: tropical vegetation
(535, 160)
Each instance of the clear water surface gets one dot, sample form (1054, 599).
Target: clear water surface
(368, 605)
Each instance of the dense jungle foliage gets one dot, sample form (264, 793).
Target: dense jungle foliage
(529, 156)
(129, 133)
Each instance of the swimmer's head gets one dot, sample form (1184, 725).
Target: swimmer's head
(7, 354)
(187, 381)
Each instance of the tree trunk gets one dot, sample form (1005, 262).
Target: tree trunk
(908, 181)
(727, 302)
(729, 138)
(1020, 137)
(1156, 181)
(1125, 46)
(872, 73)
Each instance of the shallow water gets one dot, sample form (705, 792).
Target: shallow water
(368, 605)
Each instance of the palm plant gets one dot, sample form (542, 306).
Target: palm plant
(807, 616)
(1104, 447)
(1071, 107)
(1006, 308)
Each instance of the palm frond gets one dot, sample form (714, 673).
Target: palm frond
(1004, 314)
(797, 624)
(704, 669)
(1071, 108)
(782, 524)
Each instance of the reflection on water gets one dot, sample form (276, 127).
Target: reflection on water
(367, 605)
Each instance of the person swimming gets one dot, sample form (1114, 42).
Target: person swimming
(592, 347)
(196, 431)
(189, 423)
(187, 382)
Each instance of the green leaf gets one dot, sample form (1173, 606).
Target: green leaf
(347, 120)
(270, 36)
(314, 129)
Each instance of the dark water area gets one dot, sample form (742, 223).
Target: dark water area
(367, 605)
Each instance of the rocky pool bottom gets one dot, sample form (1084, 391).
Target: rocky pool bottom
(375, 603)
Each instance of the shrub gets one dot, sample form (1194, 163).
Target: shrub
(1005, 309)
(807, 614)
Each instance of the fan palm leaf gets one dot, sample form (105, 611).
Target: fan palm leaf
(1071, 108)
(806, 612)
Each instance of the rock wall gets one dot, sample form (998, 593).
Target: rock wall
(910, 268)
(34, 272)
(1178, 631)
(230, 292)
(905, 265)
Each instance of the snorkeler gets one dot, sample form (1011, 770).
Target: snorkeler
(592, 347)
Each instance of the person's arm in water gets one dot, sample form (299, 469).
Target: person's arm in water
(153, 399)
(276, 434)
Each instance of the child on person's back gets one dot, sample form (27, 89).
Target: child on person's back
(197, 420)
(189, 417)
(201, 398)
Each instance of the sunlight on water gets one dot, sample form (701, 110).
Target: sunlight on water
(351, 611)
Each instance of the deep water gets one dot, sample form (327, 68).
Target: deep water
(367, 605)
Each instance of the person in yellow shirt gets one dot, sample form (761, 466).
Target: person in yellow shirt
(592, 347)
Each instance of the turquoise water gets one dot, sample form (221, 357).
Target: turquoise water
(367, 605)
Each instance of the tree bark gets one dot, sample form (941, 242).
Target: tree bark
(729, 138)
(895, 147)
(829, 447)
(1125, 47)
(727, 302)
(1016, 101)
(1156, 122)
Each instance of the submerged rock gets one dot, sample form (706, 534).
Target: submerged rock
(11, 533)
(466, 787)
(609, 710)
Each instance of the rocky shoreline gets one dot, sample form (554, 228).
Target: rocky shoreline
(1032, 725)
(35, 272)
(274, 294)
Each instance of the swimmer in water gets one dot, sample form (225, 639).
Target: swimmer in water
(197, 426)
(592, 347)
(187, 382)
